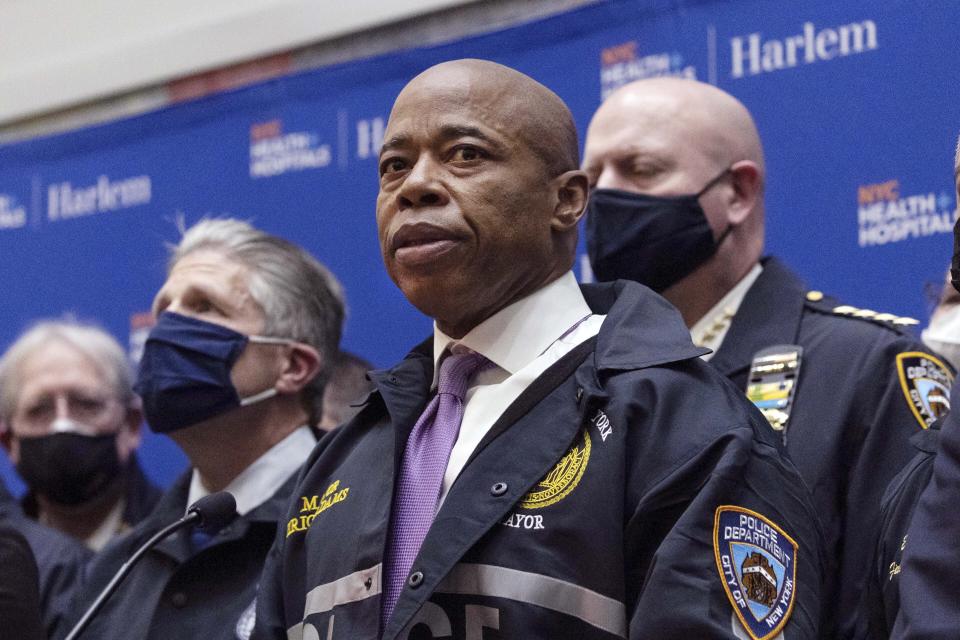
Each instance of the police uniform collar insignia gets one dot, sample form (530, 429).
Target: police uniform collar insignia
(757, 562)
(926, 383)
(772, 385)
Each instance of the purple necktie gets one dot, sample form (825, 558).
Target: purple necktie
(424, 465)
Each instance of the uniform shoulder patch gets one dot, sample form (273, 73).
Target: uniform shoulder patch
(757, 562)
(926, 383)
(563, 478)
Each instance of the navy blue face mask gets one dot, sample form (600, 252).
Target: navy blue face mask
(656, 241)
(184, 375)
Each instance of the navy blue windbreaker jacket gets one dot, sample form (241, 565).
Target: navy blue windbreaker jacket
(881, 599)
(930, 569)
(630, 492)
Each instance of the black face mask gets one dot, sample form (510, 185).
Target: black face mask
(656, 241)
(69, 468)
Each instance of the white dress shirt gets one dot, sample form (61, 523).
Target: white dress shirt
(111, 527)
(710, 330)
(522, 340)
(258, 482)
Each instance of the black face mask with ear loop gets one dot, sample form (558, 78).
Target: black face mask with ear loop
(654, 240)
(69, 468)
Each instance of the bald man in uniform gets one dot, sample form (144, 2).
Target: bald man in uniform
(677, 175)
(554, 461)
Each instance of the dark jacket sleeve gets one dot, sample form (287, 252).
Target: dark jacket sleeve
(271, 603)
(19, 587)
(930, 573)
(876, 447)
(683, 593)
(684, 546)
(269, 620)
(61, 561)
(881, 598)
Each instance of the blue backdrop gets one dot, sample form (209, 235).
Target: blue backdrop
(855, 101)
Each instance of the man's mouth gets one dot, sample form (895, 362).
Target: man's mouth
(420, 243)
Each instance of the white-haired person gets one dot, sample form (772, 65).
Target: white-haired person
(72, 428)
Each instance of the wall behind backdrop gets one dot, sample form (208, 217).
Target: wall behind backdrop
(856, 104)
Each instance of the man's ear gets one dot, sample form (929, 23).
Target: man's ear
(9, 442)
(747, 182)
(572, 188)
(302, 365)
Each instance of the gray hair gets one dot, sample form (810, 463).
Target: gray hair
(97, 345)
(301, 299)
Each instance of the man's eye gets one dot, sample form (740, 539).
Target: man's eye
(38, 410)
(466, 154)
(392, 165)
(644, 169)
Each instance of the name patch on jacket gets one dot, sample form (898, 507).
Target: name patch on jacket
(313, 506)
(564, 477)
(757, 562)
(926, 383)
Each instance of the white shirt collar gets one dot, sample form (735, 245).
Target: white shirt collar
(710, 330)
(258, 482)
(514, 336)
(111, 526)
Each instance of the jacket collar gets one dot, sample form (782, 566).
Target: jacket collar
(641, 328)
(173, 504)
(770, 314)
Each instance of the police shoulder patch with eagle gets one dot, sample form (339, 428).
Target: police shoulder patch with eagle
(757, 562)
(925, 381)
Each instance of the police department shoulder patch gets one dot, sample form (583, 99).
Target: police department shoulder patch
(757, 562)
(563, 478)
(926, 383)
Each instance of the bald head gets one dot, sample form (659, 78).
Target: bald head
(654, 115)
(510, 100)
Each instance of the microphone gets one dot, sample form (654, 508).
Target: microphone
(214, 511)
(210, 513)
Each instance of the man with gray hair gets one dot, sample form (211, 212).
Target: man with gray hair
(72, 425)
(233, 372)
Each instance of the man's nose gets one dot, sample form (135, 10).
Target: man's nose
(422, 186)
(175, 306)
(608, 179)
(61, 406)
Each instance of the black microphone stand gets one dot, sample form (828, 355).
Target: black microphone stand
(221, 507)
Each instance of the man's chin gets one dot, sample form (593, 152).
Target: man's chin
(434, 296)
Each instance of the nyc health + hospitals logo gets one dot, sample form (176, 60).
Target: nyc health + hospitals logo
(274, 152)
(888, 213)
(621, 64)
